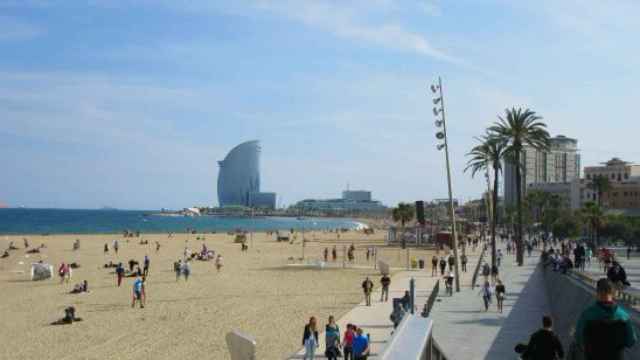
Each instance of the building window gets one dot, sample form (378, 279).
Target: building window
(626, 176)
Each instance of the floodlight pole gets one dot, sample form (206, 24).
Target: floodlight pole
(452, 213)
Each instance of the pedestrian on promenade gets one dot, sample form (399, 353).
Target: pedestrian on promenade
(618, 278)
(310, 339)
(360, 345)
(629, 252)
(347, 342)
(119, 273)
(367, 288)
(544, 344)
(494, 273)
(137, 292)
(368, 253)
(385, 282)
(500, 294)
(443, 265)
(332, 339)
(604, 329)
(448, 281)
(499, 257)
(434, 265)
(463, 261)
(334, 253)
(486, 271)
(326, 254)
(486, 295)
(146, 263)
(451, 261)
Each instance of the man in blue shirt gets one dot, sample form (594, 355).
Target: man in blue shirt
(138, 287)
(360, 346)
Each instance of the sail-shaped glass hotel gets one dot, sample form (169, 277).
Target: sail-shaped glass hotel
(239, 178)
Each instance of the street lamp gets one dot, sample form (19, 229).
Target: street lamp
(441, 124)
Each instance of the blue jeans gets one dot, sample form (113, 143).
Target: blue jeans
(309, 351)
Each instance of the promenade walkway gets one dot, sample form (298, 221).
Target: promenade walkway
(375, 319)
(463, 330)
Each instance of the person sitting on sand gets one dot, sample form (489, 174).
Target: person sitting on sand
(106, 248)
(69, 317)
(132, 264)
(12, 247)
(157, 246)
(5, 254)
(80, 288)
(33, 251)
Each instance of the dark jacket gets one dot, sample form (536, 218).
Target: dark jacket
(307, 333)
(605, 327)
(544, 345)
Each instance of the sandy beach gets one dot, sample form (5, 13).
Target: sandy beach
(256, 293)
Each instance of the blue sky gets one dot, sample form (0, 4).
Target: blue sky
(131, 103)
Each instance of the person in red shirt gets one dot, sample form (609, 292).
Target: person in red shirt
(347, 342)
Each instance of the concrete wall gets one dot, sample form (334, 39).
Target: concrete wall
(568, 297)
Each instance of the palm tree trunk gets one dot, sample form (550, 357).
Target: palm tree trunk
(495, 215)
(519, 243)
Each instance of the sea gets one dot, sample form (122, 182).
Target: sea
(59, 221)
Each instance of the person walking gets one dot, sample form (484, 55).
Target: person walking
(604, 329)
(544, 344)
(116, 246)
(486, 295)
(177, 268)
(385, 281)
(106, 248)
(367, 288)
(326, 254)
(334, 253)
(119, 273)
(146, 263)
(310, 339)
(347, 342)
(332, 339)
(452, 262)
(186, 270)
(500, 294)
(360, 346)
(443, 265)
(137, 292)
(434, 265)
(448, 281)
(486, 271)
(219, 262)
(463, 262)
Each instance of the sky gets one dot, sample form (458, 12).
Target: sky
(130, 104)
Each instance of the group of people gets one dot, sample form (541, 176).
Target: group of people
(443, 262)
(354, 344)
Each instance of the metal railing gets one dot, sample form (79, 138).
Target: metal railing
(413, 340)
(431, 300)
(630, 297)
(477, 270)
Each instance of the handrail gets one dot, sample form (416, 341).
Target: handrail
(431, 300)
(626, 297)
(475, 272)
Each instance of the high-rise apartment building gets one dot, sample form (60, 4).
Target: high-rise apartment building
(561, 164)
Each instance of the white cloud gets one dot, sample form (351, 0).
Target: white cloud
(348, 21)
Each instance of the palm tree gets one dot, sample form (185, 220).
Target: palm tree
(600, 184)
(593, 215)
(489, 155)
(520, 128)
(403, 213)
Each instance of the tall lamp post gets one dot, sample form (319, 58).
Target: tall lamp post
(438, 110)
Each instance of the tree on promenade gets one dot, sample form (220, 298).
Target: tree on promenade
(484, 156)
(403, 213)
(519, 128)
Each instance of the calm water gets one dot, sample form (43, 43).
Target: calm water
(54, 221)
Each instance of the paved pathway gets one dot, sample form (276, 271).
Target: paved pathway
(463, 330)
(375, 319)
